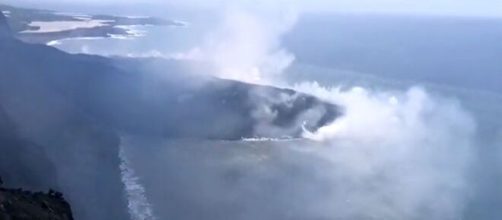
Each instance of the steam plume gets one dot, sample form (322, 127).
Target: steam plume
(247, 47)
(396, 154)
(393, 154)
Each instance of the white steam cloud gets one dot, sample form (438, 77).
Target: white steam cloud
(393, 155)
(396, 155)
(247, 47)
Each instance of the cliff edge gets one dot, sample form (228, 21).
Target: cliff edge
(18, 204)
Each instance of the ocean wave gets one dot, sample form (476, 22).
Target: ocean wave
(138, 204)
(53, 43)
(267, 139)
(133, 30)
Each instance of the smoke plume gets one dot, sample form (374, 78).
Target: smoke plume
(396, 155)
(246, 46)
(392, 155)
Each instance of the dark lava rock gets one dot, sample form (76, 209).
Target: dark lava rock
(61, 117)
(16, 204)
(46, 141)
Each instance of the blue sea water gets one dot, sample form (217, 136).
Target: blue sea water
(457, 58)
(150, 41)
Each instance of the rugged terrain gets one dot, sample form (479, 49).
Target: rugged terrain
(18, 204)
(62, 117)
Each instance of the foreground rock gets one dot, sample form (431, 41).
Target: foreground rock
(46, 141)
(25, 205)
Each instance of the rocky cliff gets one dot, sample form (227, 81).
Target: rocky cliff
(25, 205)
(47, 142)
(63, 116)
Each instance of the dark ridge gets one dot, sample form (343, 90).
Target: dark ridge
(47, 141)
(61, 117)
(19, 204)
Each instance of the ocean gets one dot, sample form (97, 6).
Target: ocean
(421, 138)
